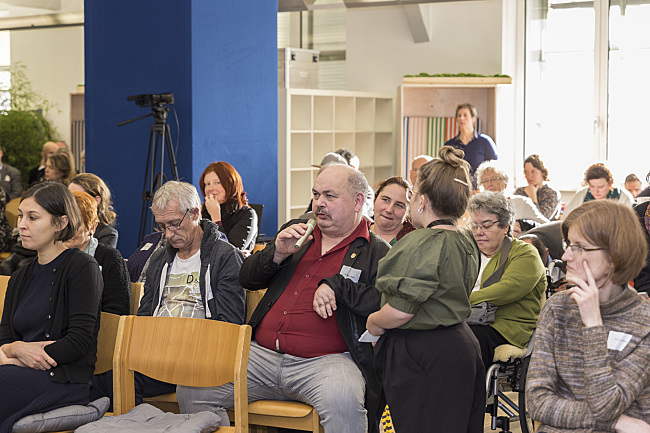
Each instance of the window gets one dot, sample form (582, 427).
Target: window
(585, 86)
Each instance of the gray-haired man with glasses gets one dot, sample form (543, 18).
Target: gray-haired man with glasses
(195, 275)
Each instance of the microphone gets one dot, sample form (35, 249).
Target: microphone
(311, 224)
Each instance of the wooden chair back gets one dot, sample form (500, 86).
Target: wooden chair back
(137, 290)
(4, 282)
(253, 297)
(11, 212)
(106, 339)
(183, 351)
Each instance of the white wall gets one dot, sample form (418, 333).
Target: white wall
(55, 65)
(465, 37)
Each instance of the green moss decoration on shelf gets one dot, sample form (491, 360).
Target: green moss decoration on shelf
(462, 74)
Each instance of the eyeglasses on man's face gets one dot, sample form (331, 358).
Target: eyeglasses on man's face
(578, 250)
(484, 226)
(171, 227)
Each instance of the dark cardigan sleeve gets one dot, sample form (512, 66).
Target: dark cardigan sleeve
(116, 298)
(240, 228)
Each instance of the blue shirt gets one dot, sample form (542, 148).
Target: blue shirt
(480, 148)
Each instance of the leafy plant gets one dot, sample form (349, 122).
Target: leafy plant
(23, 126)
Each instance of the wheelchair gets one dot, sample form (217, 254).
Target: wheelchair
(508, 374)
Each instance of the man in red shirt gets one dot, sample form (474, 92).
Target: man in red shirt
(307, 325)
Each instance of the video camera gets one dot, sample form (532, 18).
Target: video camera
(152, 100)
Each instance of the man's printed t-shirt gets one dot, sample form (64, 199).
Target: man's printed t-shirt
(181, 296)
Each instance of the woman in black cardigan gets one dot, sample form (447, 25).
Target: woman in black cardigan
(48, 332)
(227, 206)
(116, 298)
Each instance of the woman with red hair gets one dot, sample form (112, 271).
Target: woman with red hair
(226, 205)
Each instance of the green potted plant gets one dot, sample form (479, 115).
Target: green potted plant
(23, 126)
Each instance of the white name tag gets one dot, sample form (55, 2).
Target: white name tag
(618, 340)
(7, 178)
(146, 246)
(367, 337)
(350, 273)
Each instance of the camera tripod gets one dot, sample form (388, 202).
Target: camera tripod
(159, 140)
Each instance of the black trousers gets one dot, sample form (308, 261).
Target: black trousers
(489, 339)
(144, 387)
(434, 380)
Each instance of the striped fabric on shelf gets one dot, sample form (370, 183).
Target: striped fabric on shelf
(426, 135)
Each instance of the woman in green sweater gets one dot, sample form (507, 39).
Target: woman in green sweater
(589, 369)
(518, 293)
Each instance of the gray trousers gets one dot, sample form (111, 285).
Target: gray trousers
(332, 384)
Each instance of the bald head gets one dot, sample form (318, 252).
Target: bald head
(48, 149)
(418, 162)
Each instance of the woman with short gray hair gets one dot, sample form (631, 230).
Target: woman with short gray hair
(519, 290)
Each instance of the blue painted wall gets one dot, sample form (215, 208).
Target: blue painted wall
(220, 61)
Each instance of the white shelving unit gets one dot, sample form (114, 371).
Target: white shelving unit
(315, 122)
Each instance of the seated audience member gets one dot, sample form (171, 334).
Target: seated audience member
(522, 226)
(105, 233)
(519, 291)
(589, 368)
(10, 180)
(391, 210)
(555, 269)
(425, 281)
(492, 177)
(646, 191)
(642, 281)
(418, 162)
(551, 235)
(599, 185)
(633, 185)
(307, 325)
(226, 205)
(195, 275)
(37, 174)
(350, 158)
(48, 332)
(545, 198)
(6, 237)
(59, 168)
(116, 298)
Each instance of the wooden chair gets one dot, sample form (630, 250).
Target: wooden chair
(273, 413)
(191, 352)
(11, 211)
(4, 282)
(137, 290)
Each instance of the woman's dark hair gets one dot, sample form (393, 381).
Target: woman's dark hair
(536, 162)
(598, 171)
(96, 187)
(537, 243)
(231, 183)
(446, 183)
(57, 200)
(395, 180)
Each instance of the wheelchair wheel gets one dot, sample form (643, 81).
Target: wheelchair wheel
(524, 418)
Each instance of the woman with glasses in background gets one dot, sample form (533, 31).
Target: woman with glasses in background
(589, 369)
(518, 293)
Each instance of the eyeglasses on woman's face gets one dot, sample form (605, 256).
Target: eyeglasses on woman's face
(578, 250)
(484, 226)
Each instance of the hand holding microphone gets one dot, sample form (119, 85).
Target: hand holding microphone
(311, 225)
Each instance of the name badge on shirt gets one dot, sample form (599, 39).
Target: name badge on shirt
(7, 178)
(618, 340)
(146, 246)
(350, 273)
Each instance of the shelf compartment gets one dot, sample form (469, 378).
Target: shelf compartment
(384, 115)
(364, 147)
(300, 149)
(365, 114)
(384, 149)
(301, 184)
(323, 144)
(301, 112)
(323, 113)
(344, 113)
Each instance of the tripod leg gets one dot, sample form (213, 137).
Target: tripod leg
(170, 153)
